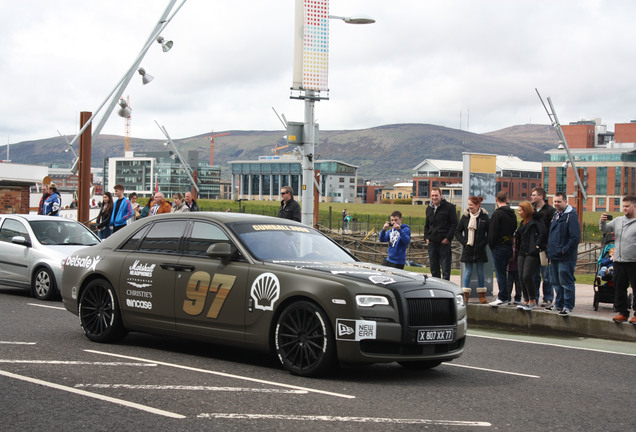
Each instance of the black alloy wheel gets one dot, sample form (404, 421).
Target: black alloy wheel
(304, 340)
(99, 312)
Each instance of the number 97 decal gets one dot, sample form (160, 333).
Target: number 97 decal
(197, 290)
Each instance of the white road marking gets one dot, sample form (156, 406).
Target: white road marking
(189, 388)
(46, 306)
(552, 345)
(16, 343)
(76, 362)
(491, 370)
(343, 419)
(276, 384)
(93, 395)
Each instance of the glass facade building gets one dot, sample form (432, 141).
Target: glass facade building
(145, 172)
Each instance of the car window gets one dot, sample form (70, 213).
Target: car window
(59, 231)
(164, 237)
(203, 235)
(11, 228)
(133, 242)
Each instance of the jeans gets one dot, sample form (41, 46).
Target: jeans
(513, 280)
(528, 265)
(624, 275)
(105, 233)
(501, 255)
(543, 272)
(468, 273)
(562, 277)
(440, 254)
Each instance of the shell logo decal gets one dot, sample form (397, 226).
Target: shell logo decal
(265, 291)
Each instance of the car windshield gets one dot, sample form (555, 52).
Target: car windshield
(58, 231)
(280, 242)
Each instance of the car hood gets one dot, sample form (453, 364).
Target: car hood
(373, 273)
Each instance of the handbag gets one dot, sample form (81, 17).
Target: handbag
(543, 258)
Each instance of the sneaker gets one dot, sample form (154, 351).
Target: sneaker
(546, 304)
(598, 280)
(522, 306)
(530, 306)
(565, 312)
(516, 302)
(553, 308)
(497, 302)
(633, 320)
(622, 318)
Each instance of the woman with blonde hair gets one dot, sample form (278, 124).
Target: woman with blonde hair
(472, 233)
(529, 237)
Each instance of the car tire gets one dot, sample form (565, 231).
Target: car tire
(420, 364)
(99, 312)
(304, 340)
(43, 286)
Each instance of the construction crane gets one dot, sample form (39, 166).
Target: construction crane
(127, 135)
(211, 138)
(277, 147)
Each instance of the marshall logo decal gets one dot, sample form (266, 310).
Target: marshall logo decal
(142, 269)
(355, 330)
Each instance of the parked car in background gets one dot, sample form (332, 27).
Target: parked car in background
(263, 283)
(32, 250)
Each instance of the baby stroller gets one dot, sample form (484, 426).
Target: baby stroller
(604, 286)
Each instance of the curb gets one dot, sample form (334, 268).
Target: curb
(540, 321)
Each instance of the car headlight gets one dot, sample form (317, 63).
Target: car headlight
(459, 298)
(371, 300)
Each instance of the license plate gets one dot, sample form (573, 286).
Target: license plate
(428, 336)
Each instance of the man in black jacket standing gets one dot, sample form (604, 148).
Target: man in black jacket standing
(503, 224)
(541, 206)
(439, 230)
(289, 208)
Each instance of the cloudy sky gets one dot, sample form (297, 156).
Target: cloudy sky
(469, 64)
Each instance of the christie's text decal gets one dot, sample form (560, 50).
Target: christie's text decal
(355, 330)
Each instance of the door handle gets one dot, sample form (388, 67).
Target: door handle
(177, 267)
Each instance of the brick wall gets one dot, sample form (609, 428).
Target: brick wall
(14, 199)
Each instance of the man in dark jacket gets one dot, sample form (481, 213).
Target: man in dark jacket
(289, 208)
(541, 206)
(439, 230)
(503, 224)
(563, 243)
(190, 202)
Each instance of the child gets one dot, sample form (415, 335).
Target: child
(607, 267)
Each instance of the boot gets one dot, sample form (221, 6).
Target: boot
(466, 294)
(481, 292)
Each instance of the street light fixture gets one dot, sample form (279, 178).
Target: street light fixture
(145, 77)
(165, 45)
(362, 19)
(125, 110)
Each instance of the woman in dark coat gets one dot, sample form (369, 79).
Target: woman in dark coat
(103, 218)
(528, 238)
(472, 233)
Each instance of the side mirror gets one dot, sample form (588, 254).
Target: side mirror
(21, 240)
(220, 250)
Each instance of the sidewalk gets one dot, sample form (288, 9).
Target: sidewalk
(584, 321)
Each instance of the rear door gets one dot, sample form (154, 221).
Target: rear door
(147, 279)
(210, 296)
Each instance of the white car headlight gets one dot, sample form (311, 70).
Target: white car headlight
(459, 298)
(371, 300)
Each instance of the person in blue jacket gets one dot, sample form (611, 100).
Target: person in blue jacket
(53, 204)
(563, 245)
(399, 236)
(122, 211)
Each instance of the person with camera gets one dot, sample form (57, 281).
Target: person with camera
(398, 235)
(624, 228)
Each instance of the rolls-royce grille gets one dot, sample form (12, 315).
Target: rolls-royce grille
(431, 311)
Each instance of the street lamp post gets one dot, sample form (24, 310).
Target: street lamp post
(312, 44)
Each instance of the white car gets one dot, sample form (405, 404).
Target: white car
(32, 250)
